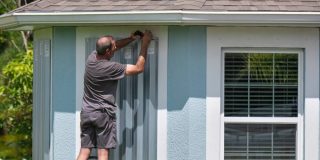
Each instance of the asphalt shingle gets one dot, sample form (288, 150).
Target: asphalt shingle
(193, 5)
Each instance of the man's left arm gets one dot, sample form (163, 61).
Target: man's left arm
(123, 42)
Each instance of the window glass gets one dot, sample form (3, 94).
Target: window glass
(261, 85)
(260, 141)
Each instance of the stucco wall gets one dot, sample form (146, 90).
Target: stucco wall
(64, 92)
(186, 92)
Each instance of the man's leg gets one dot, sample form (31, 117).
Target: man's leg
(84, 154)
(103, 154)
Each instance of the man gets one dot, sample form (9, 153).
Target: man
(98, 120)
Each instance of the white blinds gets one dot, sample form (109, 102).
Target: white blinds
(261, 85)
(260, 142)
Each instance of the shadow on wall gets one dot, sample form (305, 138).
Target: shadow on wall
(186, 65)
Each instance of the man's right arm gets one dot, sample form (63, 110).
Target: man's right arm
(139, 66)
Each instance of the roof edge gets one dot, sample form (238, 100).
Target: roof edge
(16, 20)
(166, 12)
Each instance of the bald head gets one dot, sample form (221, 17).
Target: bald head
(103, 44)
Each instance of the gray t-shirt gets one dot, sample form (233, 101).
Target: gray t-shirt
(100, 84)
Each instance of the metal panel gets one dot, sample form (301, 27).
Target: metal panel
(137, 102)
(41, 98)
(90, 45)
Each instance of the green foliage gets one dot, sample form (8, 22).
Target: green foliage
(16, 108)
(17, 144)
(15, 90)
(3, 40)
(18, 79)
(261, 67)
(9, 41)
(268, 67)
(7, 5)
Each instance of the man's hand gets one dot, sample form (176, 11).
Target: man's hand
(147, 37)
(137, 35)
(139, 66)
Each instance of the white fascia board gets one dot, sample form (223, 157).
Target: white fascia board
(254, 18)
(7, 22)
(161, 17)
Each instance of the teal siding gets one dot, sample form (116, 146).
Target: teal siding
(64, 92)
(186, 92)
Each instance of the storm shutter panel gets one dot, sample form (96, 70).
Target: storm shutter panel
(137, 104)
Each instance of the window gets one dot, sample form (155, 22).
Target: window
(261, 104)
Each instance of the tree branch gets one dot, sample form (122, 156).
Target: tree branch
(15, 45)
(25, 40)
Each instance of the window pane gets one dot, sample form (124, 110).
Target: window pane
(261, 101)
(236, 70)
(286, 85)
(261, 69)
(284, 142)
(286, 101)
(261, 85)
(286, 69)
(260, 141)
(235, 142)
(236, 101)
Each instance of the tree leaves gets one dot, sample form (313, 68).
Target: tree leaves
(15, 89)
(16, 108)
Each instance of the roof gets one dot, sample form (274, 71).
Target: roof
(151, 5)
(48, 13)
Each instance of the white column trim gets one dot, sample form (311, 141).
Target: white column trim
(162, 125)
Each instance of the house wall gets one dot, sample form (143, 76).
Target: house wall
(186, 92)
(64, 92)
(54, 93)
(189, 122)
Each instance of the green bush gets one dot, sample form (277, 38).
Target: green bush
(16, 108)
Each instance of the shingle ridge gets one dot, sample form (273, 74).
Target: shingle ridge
(195, 5)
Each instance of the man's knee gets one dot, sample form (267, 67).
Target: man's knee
(103, 154)
(84, 154)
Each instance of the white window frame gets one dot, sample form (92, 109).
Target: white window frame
(268, 120)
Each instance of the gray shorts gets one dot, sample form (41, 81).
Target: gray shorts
(98, 130)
